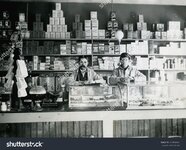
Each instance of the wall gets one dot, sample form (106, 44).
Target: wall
(125, 12)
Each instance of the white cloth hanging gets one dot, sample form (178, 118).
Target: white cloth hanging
(21, 69)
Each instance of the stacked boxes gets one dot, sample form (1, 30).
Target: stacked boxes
(5, 25)
(129, 32)
(92, 27)
(47, 47)
(160, 31)
(57, 29)
(142, 27)
(38, 31)
(112, 25)
(174, 30)
(23, 26)
(73, 47)
(78, 27)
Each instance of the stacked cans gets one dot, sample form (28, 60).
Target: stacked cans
(142, 31)
(92, 27)
(38, 31)
(112, 26)
(5, 25)
(57, 29)
(78, 28)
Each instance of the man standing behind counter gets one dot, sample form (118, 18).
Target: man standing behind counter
(126, 73)
(84, 75)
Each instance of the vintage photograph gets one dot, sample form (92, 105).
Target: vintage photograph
(92, 69)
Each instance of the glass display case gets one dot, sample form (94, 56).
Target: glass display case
(94, 96)
(156, 96)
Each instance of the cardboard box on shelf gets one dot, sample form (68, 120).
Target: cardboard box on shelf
(62, 21)
(54, 28)
(93, 15)
(80, 26)
(141, 18)
(63, 35)
(109, 25)
(77, 18)
(58, 35)
(113, 16)
(101, 48)
(58, 6)
(160, 27)
(63, 48)
(52, 35)
(38, 17)
(59, 13)
(131, 27)
(47, 35)
(174, 25)
(95, 48)
(111, 47)
(89, 48)
(125, 27)
(56, 21)
(95, 24)
(87, 24)
(67, 35)
(51, 21)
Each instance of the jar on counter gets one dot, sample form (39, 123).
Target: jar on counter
(3, 106)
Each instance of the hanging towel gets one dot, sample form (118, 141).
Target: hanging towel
(21, 83)
(22, 93)
(21, 69)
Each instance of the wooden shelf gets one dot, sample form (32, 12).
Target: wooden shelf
(59, 55)
(47, 39)
(160, 55)
(46, 71)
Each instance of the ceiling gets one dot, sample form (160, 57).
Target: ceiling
(150, 2)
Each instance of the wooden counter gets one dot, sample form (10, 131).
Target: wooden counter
(170, 122)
